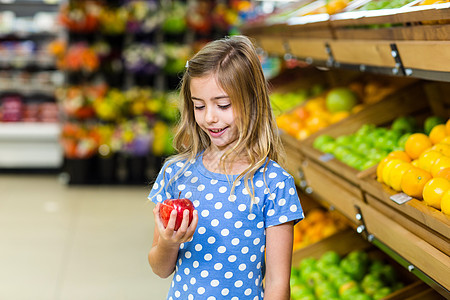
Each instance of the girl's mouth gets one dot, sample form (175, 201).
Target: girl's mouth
(217, 132)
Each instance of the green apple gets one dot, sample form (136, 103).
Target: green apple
(340, 99)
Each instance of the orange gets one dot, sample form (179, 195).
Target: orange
(438, 133)
(413, 182)
(441, 163)
(443, 173)
(390, 165)
(415, 163)
(338, 116)
(416, 144)
(443, 148)
(400, 155)
(447, 126)
(428, 158)
(445, 203)
(446, 140)
(434, 190)
(396, 175)
(380, 168)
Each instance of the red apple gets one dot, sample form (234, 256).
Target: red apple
(180, 205)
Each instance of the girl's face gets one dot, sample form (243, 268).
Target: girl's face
(213, 112)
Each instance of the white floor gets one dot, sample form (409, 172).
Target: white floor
(61, 242)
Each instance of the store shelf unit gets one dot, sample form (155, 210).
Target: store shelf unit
(408, 42)
(29, 129)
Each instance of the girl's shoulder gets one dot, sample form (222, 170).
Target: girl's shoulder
(174, 165)
(272, 171)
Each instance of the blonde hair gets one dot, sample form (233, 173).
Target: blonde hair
(238, 70)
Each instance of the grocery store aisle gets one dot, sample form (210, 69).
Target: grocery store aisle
(62, 242)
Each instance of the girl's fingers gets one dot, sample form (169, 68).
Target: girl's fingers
(172, 220)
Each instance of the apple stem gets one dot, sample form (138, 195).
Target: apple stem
(179, 194)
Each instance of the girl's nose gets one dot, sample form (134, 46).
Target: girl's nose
(211, 115)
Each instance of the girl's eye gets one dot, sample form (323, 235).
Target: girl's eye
(199, 107)
(224, 106)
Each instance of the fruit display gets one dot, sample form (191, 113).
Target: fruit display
(422, 170)
(382, 4)
(353, 276)
(179, 205)
(329, 107)
(317, 225)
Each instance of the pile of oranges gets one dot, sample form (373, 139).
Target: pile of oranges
(422, 170)
(317, 225)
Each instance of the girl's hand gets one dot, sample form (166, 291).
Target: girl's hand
(183, 234)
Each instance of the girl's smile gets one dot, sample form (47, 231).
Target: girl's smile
(213, 112)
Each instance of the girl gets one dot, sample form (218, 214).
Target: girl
(246, 204)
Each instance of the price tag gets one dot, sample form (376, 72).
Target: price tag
(400, 198)
(326, 157)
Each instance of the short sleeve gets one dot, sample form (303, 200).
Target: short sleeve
(160, 189)
(283, 204)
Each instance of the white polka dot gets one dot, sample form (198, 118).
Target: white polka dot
(271, 212)
(214, 282)
(225, 292)
(272, 196)
(235, 241)
(201, 187)
(209, 196)
(293, 208)
(228, 215)
(291, 191)
(218, 266)
(250, 275)
(178, 278)
(272, 175)
(191, 297)
(181, 245)
(257, 200)
(263, 248)
(159, 198)
(204, 273)
(180, 164)
(177, 294)
(214, 222)
(253, 258)
(266, 191)
(232, 198)
(225, 232)
(256, 241)
(242, 207)
(187, 271)
(221, 249)
(245, 191)
(201, 230)
(214, 181)
(196, 203)
(281, 185)
(185, 287)
(259, 183)
(258, 266)
(228, 275)
(211, 240)
(248, 292)
(276, 165)
(244, 250)
(181, 187)
(205, 213)
(282, 202)
(238, 183)
(260, 225)
(188, 254)
(169, 170)
(208, 257)
(201, 290)
(193, 280)
(155, 186)
(232, 258)
(187, 173)
(251, 217)
(188, 195)
(283, 219)
(195, 264)
(211, 298)
(238, 283)
(238, 224)
(222, 189)
(248, 233)
(257, 281)
(218, 205)
(242, 267)
(194, 179)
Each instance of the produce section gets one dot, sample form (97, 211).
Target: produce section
(337, 164)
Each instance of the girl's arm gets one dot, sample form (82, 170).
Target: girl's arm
(279, 240)
(166, 241)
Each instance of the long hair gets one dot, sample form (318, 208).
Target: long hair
(234, 62)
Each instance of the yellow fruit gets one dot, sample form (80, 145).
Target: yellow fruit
(428, 158)
(443, 173)
(434, 190)
(413, 182)
(380, 168)
(416, 144)
(443, 148)
(438, 133)
(400, 155)
(396, 175)
(338, 116)
(415, 163)
(390, 165)
(441, 163)
(445, 140)
(445, 203)
(447, 126)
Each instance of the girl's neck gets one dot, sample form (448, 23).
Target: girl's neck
(212, 160)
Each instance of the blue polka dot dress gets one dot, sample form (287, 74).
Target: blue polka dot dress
(225, 259)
